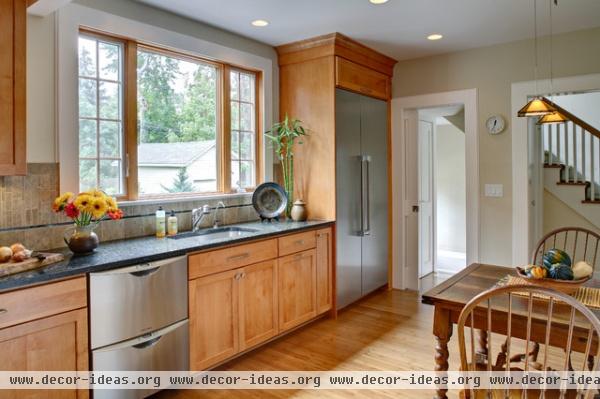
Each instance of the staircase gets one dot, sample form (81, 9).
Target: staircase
(572, 164)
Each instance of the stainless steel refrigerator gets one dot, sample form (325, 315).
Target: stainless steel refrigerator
(362, 195)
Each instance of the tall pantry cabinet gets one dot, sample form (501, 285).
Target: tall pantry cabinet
(320, 81)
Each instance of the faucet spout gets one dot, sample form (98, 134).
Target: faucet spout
(198, 215)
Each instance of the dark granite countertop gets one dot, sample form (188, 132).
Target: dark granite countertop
(114, 254)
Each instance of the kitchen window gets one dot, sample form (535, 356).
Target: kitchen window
(101, 150)
(157, 123)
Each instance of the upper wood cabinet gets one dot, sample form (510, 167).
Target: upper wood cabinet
(13, 48)
(309, 73)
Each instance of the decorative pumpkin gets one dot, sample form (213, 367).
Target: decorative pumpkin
(561, 272)
(556, 256)
(537, 272)
(581, 270)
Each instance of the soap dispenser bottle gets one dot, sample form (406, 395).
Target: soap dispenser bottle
(161, 229)
(172, 224)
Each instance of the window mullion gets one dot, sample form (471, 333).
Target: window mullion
(225, 131)
(130, 127)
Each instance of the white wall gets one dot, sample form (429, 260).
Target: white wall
(450, 188)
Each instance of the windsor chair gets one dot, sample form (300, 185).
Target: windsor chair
(539, 310)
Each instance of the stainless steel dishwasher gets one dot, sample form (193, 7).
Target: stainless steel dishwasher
(138, 320)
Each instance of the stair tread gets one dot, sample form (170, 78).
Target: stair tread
(572, 183)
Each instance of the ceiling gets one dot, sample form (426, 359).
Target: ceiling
(397, 28)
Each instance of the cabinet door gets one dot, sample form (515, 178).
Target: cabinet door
(258, 304)
(297, 277)
(360, 79)
(55, 343)
(213, 319)
(324, 270)
(13, 17)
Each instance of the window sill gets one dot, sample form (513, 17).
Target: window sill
(174, 200)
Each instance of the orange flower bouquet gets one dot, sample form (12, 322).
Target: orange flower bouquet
(86, 210)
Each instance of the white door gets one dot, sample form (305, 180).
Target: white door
(426, 230)
(410, 199)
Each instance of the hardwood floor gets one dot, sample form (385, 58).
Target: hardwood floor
(386, 331)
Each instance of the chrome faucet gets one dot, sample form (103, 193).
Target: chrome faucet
(216, 220)
(198, 215)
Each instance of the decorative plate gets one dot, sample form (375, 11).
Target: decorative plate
(269, 200)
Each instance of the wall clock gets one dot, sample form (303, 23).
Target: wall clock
(495, 124)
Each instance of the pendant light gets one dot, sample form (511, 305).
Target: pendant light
(536, 107)
(556, 116)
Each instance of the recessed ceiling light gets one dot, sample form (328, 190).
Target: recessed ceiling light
(435, 36)
(378, 1)
(260, 23)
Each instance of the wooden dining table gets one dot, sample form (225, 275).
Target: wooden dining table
(452, 295)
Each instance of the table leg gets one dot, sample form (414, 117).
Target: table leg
(442, 329)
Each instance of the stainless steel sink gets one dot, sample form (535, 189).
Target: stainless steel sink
(216, 233)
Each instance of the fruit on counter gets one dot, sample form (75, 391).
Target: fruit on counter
(18, 247)
(21, 256)
(556, 256)
(581, 270)
(537, 272)
(5, 254)
(559, 271)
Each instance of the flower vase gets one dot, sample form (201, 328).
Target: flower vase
(81, 240)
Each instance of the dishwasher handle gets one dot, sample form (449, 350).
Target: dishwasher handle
(144, 269)
(147, 344)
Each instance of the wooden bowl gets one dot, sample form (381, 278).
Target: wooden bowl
(566, 286)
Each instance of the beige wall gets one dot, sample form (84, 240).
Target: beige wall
(491, 70)
(450, 182)
(41, 77)
(557, 215)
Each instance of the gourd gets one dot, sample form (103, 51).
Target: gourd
(581, 270)
(537, 272)
(561, 272)
(556, 256)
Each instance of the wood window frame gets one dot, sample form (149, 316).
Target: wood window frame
(223, 139)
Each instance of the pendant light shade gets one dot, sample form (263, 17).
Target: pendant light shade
(554, 117)
(536, 107)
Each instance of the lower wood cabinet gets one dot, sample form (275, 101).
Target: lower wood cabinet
(230, 312)
(55, 343)
(297, 288)
(234, 310)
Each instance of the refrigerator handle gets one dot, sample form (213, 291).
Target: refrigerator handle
(367, 194)
(362, 195)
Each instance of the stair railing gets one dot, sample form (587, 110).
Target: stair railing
(575, 146)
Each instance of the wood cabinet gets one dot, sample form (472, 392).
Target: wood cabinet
(354, 77)
(51, 335)
(324, 253)
(297, 276)
(13, 47)
(230, 312)
(258, 304)
(234, 310)
(310, 71)
(214, 319)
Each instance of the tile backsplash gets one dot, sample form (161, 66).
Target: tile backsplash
(26, 215)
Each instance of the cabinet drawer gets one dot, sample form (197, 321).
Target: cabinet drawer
(297, 243)
(210, 262)
(28, 304)
(358, 78)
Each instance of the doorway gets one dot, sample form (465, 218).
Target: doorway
(442, 192)
(423, 224)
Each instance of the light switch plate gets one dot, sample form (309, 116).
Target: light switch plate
(494, 190)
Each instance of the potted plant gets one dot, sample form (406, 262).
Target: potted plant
(86, 210)
(283, 135)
